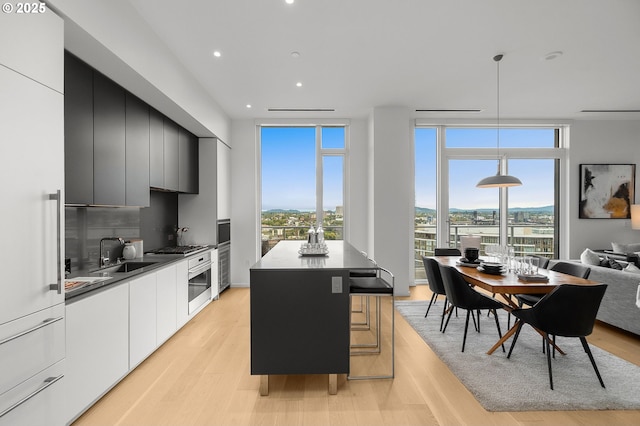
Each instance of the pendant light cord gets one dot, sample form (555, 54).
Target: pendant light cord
(498, 58)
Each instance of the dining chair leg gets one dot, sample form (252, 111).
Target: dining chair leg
(447, 323)
(585, 345)
(515, 337)
(444, 310)
(473, 317)
(495, 315)
(466, 327)
(546, 341)
(433, 296)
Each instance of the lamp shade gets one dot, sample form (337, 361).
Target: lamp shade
(499, 181)
(635, 216)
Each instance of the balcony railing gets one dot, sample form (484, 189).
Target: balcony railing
(272, 234)
(526, 239)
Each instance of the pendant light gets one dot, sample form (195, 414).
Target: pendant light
(498, 180)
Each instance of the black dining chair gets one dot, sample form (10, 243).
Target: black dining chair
(569, 310)
(570, 268)
(435, 285)
(461, 295)
(446, 251)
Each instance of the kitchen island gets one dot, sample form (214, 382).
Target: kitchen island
(300, 311)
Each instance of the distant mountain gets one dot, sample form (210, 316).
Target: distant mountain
(282, 211)
(542, 209)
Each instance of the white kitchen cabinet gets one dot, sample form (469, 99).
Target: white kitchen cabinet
(182, 293)
(32, 150)
(43, 407)
(166, 313)
(142, 318)
(97, 346)
(32, 44)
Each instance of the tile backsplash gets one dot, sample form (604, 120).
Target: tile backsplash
(85, 226)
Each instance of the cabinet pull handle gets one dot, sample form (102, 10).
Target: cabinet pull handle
(48, 382)
(57, 197)
(44, 323)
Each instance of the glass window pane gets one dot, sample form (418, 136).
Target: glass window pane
(509, 138)
(333, 137)
(288, 183)
(425, 194)
(532, 207)
(332, 197)
(473, 210)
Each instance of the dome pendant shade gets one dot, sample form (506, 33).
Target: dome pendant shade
(499, 181)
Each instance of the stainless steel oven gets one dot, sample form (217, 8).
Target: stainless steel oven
(199, 280)
(224, 254)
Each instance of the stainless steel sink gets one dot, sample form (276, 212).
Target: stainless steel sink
(132, 266)
(124, 267)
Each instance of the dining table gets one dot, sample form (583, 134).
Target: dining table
(509, 283)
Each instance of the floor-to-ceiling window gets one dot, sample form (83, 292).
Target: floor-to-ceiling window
(525, 217)
(302, 181)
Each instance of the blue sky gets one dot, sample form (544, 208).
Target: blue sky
(537, 176)
(288, 168)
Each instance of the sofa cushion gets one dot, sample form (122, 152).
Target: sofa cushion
(590, 257)
(632, 268)
(625, 248)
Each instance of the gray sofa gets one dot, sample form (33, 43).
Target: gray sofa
(618, 307)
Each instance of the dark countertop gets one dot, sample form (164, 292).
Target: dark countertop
(342, 255)
(109, 278)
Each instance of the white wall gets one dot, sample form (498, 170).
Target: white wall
(393, 194)
(111, 36)
(594, 142)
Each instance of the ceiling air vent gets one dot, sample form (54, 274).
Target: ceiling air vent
(450, 110)
(611, 110)
(301, 109)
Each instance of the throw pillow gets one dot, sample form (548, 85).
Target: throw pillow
(615, 265)
(632, 268)
(590, 257)
(625, 248)
(605, 263)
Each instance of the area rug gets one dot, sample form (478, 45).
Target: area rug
(521, 383)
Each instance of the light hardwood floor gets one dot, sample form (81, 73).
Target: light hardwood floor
(201, 376)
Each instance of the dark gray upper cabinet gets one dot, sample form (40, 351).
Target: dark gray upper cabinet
(78, 131)
(188, 167)
(171, 156)
(108, 142)
(137, 152)
(156, 149)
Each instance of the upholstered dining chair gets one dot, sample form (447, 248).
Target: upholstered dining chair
(461, 295)
(446, 251)
(570, 268)
(569, 310)
(435, 285)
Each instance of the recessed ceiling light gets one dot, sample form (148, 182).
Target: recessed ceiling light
(289, 1)
(248, 105)
(217, 53)
(299, 84)
(295, 54)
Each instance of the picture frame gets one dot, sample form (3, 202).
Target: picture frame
(607, 191)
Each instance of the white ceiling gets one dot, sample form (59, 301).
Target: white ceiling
(423, 54)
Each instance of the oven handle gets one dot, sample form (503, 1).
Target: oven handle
(200, 269)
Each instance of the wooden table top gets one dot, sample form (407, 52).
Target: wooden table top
(509, 282)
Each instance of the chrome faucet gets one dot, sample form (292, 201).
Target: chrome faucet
(105, 260)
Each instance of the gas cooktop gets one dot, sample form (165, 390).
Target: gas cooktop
(183, 250)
